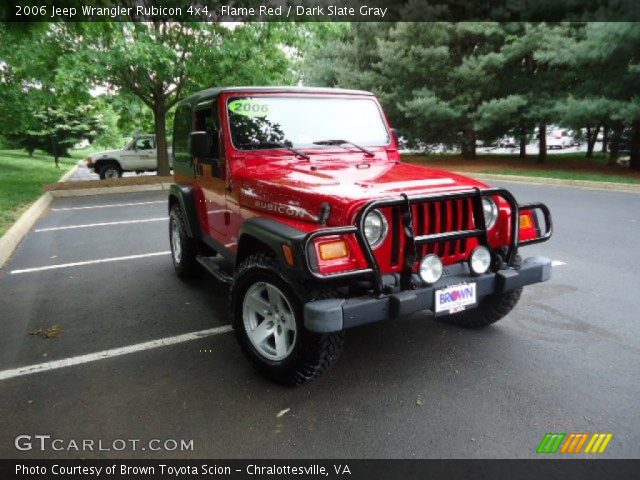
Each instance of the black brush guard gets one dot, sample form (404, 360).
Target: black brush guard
(405, 203)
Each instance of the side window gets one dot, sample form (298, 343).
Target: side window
(181, 131)
(206, 120)
(144, 143)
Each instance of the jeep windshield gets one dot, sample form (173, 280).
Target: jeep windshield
(264, 122)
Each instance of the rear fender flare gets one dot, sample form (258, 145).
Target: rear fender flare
(185, 196)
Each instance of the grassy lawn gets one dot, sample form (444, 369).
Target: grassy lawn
(595, 177)
(569, 166)
(22, 177)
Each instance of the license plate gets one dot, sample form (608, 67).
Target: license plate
(455, 298)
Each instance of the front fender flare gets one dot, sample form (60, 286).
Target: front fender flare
(273, 234)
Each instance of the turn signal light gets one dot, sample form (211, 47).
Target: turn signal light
(288, 254)
(333, 250)
(525, 221)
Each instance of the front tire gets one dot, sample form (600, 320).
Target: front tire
(110, 171)
(491, 309)
(268, 322)
(183, 248)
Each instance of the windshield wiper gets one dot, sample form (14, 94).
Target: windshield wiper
(295, 151)
(339, 143)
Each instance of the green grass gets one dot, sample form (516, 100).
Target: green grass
(22, 178)
(565, 175)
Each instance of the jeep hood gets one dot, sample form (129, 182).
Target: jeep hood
(297, 189)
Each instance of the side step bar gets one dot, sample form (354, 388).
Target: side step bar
(214, 266)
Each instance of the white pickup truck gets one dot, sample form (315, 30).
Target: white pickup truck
(139, 155)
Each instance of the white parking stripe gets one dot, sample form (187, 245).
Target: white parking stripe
(108, 206)
(557, 263)
(88, 262)
(115, 352)
(102, 224)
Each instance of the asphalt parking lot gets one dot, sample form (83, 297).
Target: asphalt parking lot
(566, 360)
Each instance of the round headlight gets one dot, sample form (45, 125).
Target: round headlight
(430, 268)
(375, 228)
(480, 260)
(490, 210)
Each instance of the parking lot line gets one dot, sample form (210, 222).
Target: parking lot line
(88, 262)
(112, 205)
(102, 224)
(114, 352)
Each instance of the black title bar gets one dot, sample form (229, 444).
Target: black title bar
(320, 10)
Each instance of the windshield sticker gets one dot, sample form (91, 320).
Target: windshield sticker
(249, 108)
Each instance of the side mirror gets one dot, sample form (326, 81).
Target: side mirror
(394, 135)
(200, 144)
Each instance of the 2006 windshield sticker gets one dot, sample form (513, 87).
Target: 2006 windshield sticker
(249, 107)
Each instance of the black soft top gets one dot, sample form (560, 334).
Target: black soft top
(210, 93)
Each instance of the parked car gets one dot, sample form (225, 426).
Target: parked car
(559, 140)
(297, 198)
(508, 142)
(138, 155)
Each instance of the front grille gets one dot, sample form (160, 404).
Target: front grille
(435, 217)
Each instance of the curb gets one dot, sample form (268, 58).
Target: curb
(67, 175)
(557, 182)
(21, 227)
(80, 192)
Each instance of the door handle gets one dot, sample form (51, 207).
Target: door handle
(227, 218)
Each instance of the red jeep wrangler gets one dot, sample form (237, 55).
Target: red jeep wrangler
(297, 197)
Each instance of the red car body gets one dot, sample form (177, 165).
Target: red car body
(320, 234)
(274, 183)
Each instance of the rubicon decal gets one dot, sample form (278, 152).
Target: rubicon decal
(575, 442)
(282, 209)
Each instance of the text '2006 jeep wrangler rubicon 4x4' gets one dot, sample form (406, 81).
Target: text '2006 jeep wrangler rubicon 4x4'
(298, 199)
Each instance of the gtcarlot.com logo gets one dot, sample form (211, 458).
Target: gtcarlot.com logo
(575, 442)
(45, 443)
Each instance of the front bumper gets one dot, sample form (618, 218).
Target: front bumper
(335, 314)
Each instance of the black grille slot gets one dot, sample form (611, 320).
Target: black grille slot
(395, 236)
(455, 223)
(466, 209)
(420, 226)
(443, 227)
(432, 226)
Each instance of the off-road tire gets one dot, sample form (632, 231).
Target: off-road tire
(313, 353)
(186, 265)
(109, 167)
(490, 309)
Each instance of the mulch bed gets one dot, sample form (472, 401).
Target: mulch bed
(529, 164)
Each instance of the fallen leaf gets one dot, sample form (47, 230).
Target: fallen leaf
(48, 332)
(420, 402)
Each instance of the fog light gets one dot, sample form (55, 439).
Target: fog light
(480, 260)
(430, 269)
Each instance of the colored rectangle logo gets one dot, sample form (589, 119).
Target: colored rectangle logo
(574, 443)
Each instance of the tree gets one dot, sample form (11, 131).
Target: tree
(592, 113)
(605, 59)
(60, 128)
(32, 93)
(161, 62)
